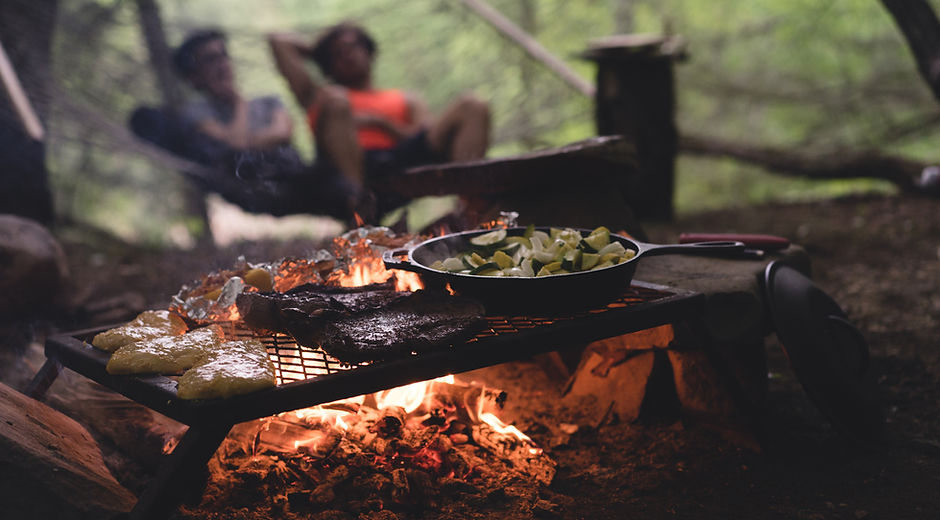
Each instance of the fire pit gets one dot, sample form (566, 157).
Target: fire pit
(309, 377)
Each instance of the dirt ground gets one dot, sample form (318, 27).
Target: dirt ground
(879, 257)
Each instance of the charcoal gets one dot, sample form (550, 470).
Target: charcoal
(417, 322)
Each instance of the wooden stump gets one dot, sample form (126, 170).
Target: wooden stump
(635, 97)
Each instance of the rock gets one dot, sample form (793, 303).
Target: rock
(33, 269)
(50, 467)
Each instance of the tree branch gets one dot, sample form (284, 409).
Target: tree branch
(867, 163)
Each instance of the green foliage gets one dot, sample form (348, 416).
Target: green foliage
(808, 75)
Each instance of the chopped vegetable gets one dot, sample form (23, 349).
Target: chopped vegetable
(489, 239)
(537, 253)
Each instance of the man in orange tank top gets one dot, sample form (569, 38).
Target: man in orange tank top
(367, 132)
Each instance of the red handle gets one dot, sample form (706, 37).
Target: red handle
(766, 242)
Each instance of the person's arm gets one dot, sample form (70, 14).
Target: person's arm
(418, 118)
(233, 134)
(278, 131)
(289, 52)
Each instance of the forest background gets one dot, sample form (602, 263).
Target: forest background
(820, 78)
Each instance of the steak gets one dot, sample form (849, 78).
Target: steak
(272, 310)
(417, 322)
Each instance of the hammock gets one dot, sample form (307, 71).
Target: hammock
(272, 183)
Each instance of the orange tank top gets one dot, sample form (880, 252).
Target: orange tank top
(390, 104)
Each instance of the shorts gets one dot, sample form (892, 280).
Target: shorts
(409, 153)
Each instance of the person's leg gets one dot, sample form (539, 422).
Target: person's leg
(463, 130)
(335, 134)
(338, 145)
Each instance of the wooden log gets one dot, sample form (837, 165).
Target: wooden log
(618, 389)
(577, 162)
(52, 467)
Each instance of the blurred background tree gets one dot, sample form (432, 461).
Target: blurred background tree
(820, 78)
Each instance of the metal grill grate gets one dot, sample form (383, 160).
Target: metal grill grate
(294, 362)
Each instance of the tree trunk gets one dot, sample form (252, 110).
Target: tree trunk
(920, 27)
(26, 33)
(152, 28)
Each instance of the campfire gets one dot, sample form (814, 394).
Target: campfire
(344, 436)
(401, 447)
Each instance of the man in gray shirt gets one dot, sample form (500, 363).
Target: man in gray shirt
(248, 140)
(222, 113)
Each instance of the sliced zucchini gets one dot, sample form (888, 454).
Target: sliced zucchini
(598, 241)
(517, 243)
(452, 264)
(572, 260)
(489, 239)
(589, 260)
(586, 247)
(510, 248)
(488, 266)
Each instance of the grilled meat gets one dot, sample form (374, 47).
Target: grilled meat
(272, 310)
(416, 322)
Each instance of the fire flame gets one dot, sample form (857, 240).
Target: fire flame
(365, 267)
(409, 397)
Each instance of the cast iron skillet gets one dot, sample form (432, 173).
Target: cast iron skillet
(562, 292)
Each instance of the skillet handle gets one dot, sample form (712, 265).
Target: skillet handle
(717, 248)
(389, 258)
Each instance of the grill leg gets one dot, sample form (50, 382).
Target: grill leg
(43, 379)
(179, 472)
